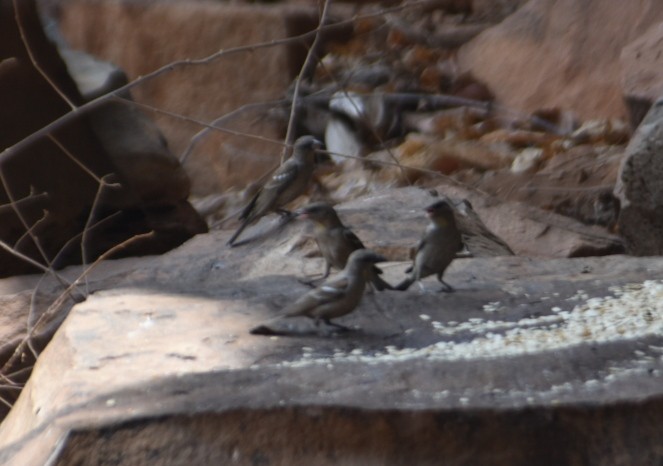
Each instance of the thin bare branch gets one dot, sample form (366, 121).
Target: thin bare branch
(214, 125)
(35, 63)
(56, 306)
(11, 151)
(23, 202)
(31, 231)
(6, 403)
(88, 223)
(21, 217)
(289, 135)
(11, 387)
(9, 381)
(73, 158)
(211, 126)
(22, 256)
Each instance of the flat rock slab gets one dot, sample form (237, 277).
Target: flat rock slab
(527, 355)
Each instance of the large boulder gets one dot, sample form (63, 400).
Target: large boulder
(640, 187)
(64, 181)
(142, 37)
(561, 53)
(158, 367)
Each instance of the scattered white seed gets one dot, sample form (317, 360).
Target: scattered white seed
(633, 311)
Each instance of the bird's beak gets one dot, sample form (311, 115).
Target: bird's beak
(317, 145)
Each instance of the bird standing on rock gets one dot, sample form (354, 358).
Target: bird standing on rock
(336, 241)
(477, 237)
(286, 184)
(437, 248)
(336, 297)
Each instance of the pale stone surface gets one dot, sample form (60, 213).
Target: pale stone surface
(553, 53)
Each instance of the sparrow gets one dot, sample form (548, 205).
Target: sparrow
(286, 184)
(336, 297)
(437, 248)
(477, 237)
(336, 241)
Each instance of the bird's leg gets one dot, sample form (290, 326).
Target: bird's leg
(447, 288)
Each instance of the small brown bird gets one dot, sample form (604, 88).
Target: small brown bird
(336, 241)
(437, 248)
(336, 297)
(477, 237)
(288, 182)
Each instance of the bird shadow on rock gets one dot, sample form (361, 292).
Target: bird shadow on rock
(302, 329)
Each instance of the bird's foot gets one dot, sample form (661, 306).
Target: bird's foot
(446, 288)
(338, 327)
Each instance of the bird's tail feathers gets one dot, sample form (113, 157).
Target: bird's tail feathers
(246, 211)
(239, 231)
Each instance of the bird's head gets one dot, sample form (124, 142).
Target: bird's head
(318, 212)
(307, 146)
(441, 213)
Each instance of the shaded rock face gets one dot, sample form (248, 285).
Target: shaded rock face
(55, 195)
(42, 174)
(561, 53)
(640, 187)
(330, 436)
(124, 33)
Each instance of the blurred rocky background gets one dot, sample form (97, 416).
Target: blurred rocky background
(543, 114)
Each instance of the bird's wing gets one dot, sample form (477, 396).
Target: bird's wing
(420, 246)
(282, 178)
(413, 254)
(352, 239)
(326, 293)
(269, 193)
